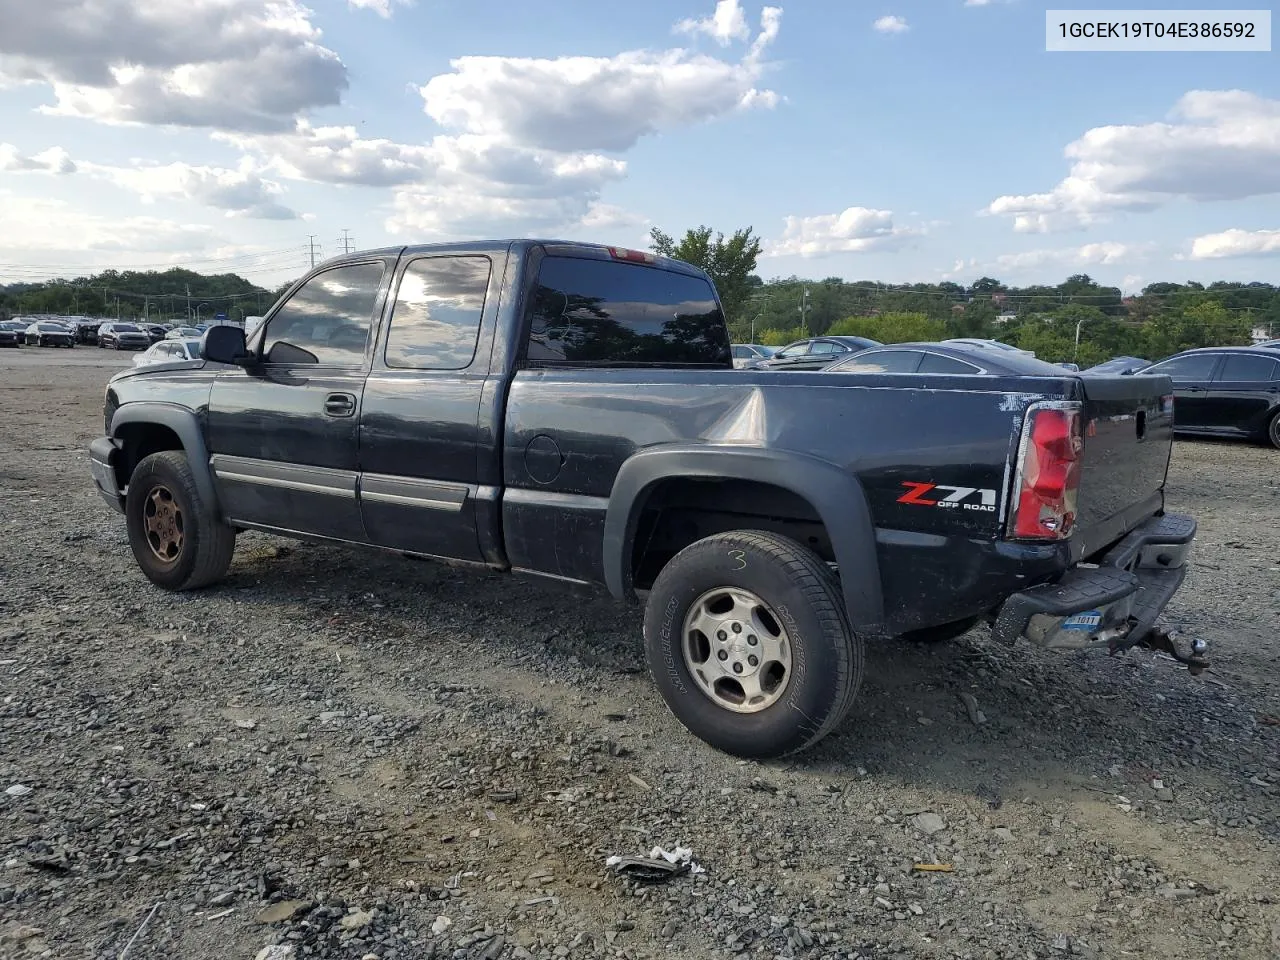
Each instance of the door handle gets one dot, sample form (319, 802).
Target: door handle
(339, 405)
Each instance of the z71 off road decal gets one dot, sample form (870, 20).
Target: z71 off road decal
(957, 498)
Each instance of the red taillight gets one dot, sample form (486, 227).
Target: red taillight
(634, 256)
(1044, 496)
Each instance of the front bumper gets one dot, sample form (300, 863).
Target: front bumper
(102, 453)
(1112, 603)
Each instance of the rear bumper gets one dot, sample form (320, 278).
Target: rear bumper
(1112, 603)
(102, 453)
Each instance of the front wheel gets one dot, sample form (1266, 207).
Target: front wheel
(747, 640)
(176, 538)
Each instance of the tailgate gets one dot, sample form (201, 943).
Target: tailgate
(1128, 435)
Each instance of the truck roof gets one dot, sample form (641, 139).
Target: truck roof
(599, 251)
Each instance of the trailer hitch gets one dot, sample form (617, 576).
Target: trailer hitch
(1165, 641)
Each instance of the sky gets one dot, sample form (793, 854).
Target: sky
(899, 141)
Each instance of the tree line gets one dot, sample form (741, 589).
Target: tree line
(1163, 319)
(128, 294)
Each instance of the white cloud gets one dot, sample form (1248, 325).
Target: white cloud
(891, 24)
(727, 24)
(529, 141)
(1106, 253)
(1236, 243)
(1218, 145)
(855, 230)
(381, 7)
(39, 224)
(52, 160)
(240, 193)
(597, 103)
(233, 64)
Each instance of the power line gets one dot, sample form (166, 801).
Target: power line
(346, 242)
(313, 249)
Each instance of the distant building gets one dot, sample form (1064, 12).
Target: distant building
(1004, 318)
(1260, 332)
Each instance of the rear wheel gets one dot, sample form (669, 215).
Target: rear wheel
(747, 640)
(1273, 431)
(177, 540)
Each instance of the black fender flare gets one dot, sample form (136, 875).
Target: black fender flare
(834, 493)
(182, 421)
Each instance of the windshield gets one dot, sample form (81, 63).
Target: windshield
(126, 328)
(53, 328)
(193, 348)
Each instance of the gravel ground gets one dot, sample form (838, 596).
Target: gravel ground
(340, 754)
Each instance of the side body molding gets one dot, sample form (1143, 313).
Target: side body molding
(182, 421)
(834, 493)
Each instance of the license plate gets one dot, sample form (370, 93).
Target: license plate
(1090, 620)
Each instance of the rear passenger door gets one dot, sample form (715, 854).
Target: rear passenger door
(1243, 391)
(421, 445)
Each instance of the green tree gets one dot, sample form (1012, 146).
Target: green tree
(891, 328)
(730, 263)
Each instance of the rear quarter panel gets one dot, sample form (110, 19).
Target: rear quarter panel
(950, 441)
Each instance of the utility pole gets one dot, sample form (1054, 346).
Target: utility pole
(804, 311)
(348, 244)
(313, 248)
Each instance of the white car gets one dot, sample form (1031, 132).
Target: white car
(184, 333)
(169, 351)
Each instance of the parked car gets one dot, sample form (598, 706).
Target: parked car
(776, 525)
(46, 333)
(1273, 344)
(155, 331)
(11, 333)
(1118, 365)
(123, 336)
(184, 333)
(86, 331)
(168, 351)
(744, 353)
(813, 354)
(982, 344)
(1225, 391)
(946, 358)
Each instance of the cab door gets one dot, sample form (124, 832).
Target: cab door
(283, 432)
(423, 453)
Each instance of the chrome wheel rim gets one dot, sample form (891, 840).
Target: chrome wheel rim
(736, 650)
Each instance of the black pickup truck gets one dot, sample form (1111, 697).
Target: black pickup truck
(571, 411)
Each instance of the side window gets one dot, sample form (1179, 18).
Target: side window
(937, 363)
(890, 361)
(436, 319)
(1240, 367)
(605, 312)
(826, 347)
(741, 353)
(327, 321)
(1195, 366)
(795, 350)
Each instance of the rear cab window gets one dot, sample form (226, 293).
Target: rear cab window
(587, 312)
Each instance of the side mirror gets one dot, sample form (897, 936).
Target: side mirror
(226, 345)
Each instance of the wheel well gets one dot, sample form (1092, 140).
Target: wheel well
(140, 440)
(682, 510)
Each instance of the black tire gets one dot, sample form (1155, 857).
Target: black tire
(826, 655)
(1273, 431)
(206, 543)
(943, 632)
